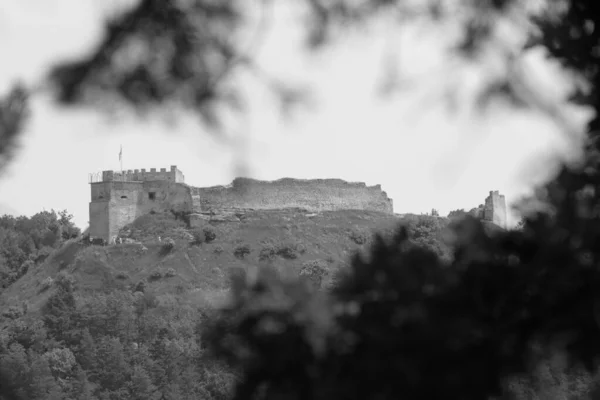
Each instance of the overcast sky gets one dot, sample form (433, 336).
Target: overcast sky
(424, 156)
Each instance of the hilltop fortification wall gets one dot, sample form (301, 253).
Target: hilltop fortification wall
(119, 197)
(313, 195)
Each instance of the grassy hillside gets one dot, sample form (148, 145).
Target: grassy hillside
(107, 337)
(199, 272)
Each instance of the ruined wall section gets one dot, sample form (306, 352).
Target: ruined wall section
(313, 195)
(494, 209)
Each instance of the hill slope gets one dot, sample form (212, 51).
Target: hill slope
(202, 271)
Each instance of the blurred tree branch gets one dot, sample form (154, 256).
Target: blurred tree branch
(14, 110)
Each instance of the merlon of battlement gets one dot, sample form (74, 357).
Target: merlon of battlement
(173, 175)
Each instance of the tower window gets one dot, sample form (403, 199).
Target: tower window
(123, 197)
(152, 195)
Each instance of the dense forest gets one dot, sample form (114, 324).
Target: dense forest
(27, 241)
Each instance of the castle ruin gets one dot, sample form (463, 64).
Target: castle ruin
(494, 209)
(119, 197)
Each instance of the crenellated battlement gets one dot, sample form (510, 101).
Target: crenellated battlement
(137, 175)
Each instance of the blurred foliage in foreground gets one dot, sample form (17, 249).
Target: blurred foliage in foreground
(157, 56)
(404, 323)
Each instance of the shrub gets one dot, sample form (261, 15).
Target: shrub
(170, 273)
(42, 254)
(218, 250)
(287, 251)
(209, 234)
(168, 245)
(122, 276)
(359, 236)
(314, 271)
(26, 266)
(152, 225)
(199, 237)
(268, 252)
(65, 281)
(156, 275)
(241, 251)
(140, 287)
(47, 284)
(300, 248)
(12, 312)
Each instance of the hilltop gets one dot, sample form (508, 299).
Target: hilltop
(284, 239)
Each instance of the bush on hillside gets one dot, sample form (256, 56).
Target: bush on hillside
(46, 284)
(199, 237)
(42, 254)
(218, 249)
(287, 251)
(168, 245)
(12, 312)
(209, 234)
(359, 236)
(170, 273)
(242, 251)
(122, 276)
(154, 276)
(203, 235)
(459, 213)
(267, 252)
(183, 216)
(314, 271)
(26, 266)
(140, 287)
(152, 225)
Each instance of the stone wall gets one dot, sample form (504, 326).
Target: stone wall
(313, 195)
(118, 199)
(99, 218)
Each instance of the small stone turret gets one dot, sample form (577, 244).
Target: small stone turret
(494, 209)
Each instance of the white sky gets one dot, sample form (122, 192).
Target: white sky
(423, 156)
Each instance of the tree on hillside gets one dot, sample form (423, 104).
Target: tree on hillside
(26, 241)
(457, 213)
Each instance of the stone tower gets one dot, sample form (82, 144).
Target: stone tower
(494, 209)
(119, 197)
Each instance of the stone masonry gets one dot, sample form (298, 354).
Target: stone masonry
(494, 209)
(119, 197)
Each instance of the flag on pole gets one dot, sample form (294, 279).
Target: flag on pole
(121, 153)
